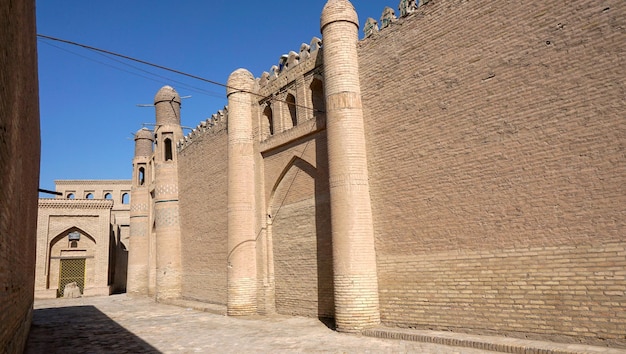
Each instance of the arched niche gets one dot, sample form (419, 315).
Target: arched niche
(267, 122)
(292, 116)
(68, 247)
(318, 101)
(299, 219)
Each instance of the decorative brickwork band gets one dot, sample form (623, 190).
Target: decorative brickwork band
(241, 200)
(166, 208)
(75, 204)
(354, 257)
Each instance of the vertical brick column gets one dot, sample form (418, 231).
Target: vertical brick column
(354, 258)
(166, 210)
(241, 200)
(139, 247)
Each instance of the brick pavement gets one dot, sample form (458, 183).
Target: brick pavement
(122, 324)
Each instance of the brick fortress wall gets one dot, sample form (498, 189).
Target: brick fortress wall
(203, 182)
(296, 189)
(19, 170)
(496, 152)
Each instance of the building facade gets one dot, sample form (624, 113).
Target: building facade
(20, 144)
(460, 168)
(83, 237)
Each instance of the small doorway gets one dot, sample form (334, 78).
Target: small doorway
(71, 270)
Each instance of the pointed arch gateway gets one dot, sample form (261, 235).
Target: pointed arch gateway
(71, 259)
(299, 222)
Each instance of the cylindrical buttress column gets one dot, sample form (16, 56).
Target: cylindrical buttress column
(354, 257)
(241, 200)
(166, 209)
(138, 250)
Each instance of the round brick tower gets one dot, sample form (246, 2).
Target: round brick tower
(354, 257)
(166, 212)
(241, 200)
(139, 248)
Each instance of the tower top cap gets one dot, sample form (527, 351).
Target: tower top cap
(144, 133)
(338, 10)
(240, 80)
(167, 94)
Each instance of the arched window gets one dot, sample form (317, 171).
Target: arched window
(291, 105)
(267, 122)
(108, 196)
(70, 196)
(317, 97)
(168, 149)
(89, 196)
(125, 198)
(141, 176)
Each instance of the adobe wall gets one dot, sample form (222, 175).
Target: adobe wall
(19, 170)
(203, 182)
(496, 153)
(296, 191)
(92, 219)
(117, 191)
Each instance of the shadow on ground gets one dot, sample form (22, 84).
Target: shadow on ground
(81, 329)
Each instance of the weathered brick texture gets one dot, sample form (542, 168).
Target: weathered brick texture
(297, 186)
(494, 136)
(497, 167)
(19, 170)
(203, 181)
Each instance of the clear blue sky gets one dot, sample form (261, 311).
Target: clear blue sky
(88, 102)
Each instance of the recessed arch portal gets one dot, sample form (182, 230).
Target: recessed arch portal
(71, 256)
(299, 219)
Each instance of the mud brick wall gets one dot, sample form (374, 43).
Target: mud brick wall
(203, 182)
(296, 181)
(19, 170)
(496, 143)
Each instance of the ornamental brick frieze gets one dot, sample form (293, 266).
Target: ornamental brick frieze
(166, 216)
(165, 189)
(76, 203)
(143, 207)
(139, 230)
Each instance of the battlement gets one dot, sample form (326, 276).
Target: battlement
(213, 125)
(280, 75)
(285, 78)
(388, 17)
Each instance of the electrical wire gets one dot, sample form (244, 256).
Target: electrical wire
(180, 83)
(170, 70)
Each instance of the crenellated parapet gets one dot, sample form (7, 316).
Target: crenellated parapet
(279, 91)
(291, 93)
(308, 53)
(406, 8)
(218, 122)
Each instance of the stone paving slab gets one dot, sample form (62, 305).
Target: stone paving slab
(493, 343)
(122, 324)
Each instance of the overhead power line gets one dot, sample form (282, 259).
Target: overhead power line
(47, 191)
(166, 68)
(162, 78)
(133, 59)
